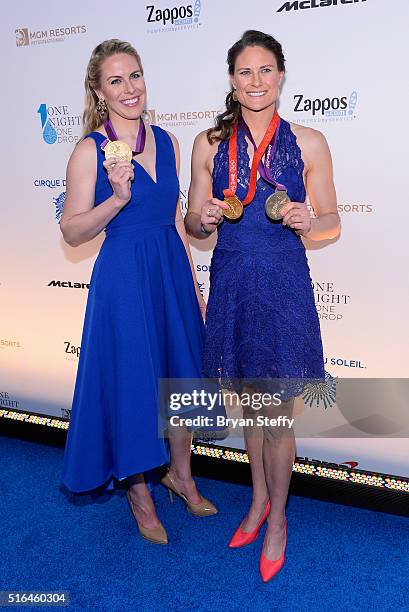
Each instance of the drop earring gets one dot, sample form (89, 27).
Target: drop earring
(101, 107)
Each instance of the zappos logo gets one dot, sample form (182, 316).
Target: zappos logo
(72, 350)
(326, 109)
(173, 18)
(58, 124)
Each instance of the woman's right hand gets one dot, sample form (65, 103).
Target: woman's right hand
(120, 175)
(212, 214)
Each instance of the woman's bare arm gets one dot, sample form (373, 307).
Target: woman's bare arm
(200, 192)
(81, 221)
(320, 185)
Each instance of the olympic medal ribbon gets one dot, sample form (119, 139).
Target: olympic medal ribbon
(265, 169)
(234, 203)
(112, 136)
(275, 201)
(258, 154)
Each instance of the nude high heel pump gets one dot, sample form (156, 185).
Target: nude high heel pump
(204, 508)
(156, 535)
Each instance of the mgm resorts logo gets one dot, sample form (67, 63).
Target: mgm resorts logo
(170, 19)
(308, 4)
(26, 37)
(58, 124)
(346, 208)
(183, 118)
(325, 109)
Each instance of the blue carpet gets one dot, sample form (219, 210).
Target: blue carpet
(338, 558)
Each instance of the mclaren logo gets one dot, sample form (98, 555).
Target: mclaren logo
(68, 284)
(308, 4)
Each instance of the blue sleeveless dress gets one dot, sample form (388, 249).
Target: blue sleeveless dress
(142, 322)
(261, 320)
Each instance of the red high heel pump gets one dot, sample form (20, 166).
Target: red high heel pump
(242, 538)
(268, 567)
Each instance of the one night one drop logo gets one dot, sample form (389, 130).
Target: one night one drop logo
(49, 132)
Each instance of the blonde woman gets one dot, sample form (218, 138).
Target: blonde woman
(143, 321)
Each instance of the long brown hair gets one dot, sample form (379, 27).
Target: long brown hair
(91, 118)
(251, 38)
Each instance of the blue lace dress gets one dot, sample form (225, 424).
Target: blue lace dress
(261, 322)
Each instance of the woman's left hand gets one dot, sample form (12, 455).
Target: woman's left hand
(297, 216)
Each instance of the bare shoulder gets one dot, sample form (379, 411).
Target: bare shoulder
(84, 153)
(308, 136)
(203, 148)
(202, 142)
(313, 144)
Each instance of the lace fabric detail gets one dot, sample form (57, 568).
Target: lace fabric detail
(287, 162)
(261, 319)
(254, 231)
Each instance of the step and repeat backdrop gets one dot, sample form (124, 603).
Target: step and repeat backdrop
(344, 77)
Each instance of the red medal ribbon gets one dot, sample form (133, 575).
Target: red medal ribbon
(228, 193)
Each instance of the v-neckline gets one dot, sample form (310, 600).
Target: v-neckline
(248, 164)
(154, 180)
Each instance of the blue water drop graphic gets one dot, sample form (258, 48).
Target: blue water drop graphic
(49, 133)
(43, 113)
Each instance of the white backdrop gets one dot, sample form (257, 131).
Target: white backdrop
(345, 77)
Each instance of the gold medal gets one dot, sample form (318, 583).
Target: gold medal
(274, 203)
(235, 209)
(118, 149)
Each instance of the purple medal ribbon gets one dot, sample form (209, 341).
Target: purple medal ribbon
(140, 139)
(264, 169)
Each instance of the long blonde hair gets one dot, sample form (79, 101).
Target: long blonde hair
(91, 118)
